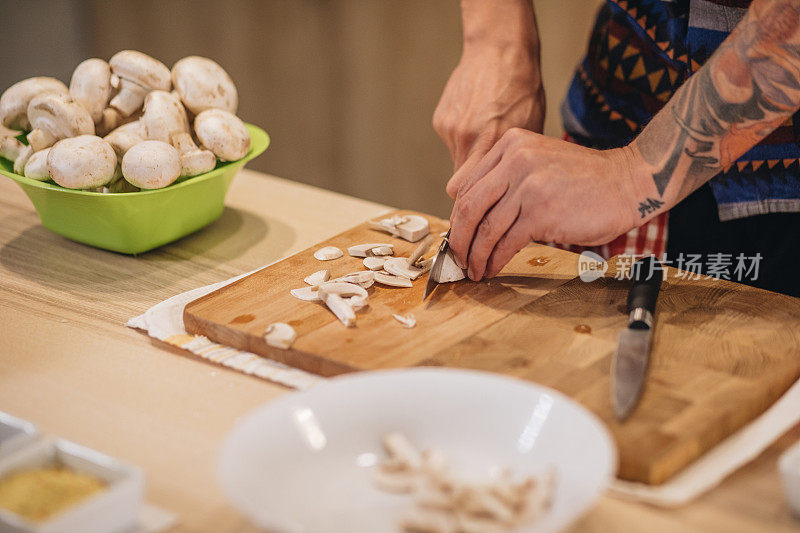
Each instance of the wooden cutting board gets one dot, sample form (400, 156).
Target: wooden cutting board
(722, 352)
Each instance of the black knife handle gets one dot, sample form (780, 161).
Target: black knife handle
(647, 274)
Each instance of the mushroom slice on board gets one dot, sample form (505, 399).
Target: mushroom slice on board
(83, 162)
(137, 75)
(409, 227)
(151, 165)
(307, 294)
(90, 86)
(328, 253)
(392, 281)
(54, 117)
(36, 167)
(280, 335)
(374, 263)
(400, 266)
(14, 101)
(380, 251)
(362, 250)
(415, 259)
(361, 278)
(343, 310)
(408, 321)
(317, 278)
(203, 84)
(223, 133)
(355, 296)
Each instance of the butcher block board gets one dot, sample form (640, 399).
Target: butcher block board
(722, 352)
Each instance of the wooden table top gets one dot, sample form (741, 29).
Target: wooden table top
(68, 364)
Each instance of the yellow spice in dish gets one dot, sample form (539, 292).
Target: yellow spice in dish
(38, 493)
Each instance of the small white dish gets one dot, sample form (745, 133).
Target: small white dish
(789, 465)
(300, 464)
(114, 509)
(15, 433)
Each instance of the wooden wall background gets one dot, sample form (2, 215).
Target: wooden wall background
(346, 88)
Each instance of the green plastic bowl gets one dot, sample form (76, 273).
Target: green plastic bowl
(135, 222)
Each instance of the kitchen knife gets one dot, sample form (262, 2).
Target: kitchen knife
(436, 268)
(629, 366)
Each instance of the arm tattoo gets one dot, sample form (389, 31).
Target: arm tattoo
(747, 89)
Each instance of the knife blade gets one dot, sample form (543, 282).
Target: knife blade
(436, 267)
(630, 362)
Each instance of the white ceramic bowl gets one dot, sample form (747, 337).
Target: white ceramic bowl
(300, 463)
(789, 466)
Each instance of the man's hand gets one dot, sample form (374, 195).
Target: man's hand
(534, 188)
(496, 85)
(490, 91)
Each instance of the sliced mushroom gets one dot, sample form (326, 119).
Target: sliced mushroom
(124, 138)
(202, 84)
(328, 253)
(16, 152)
(36, 167)
(392, 281)
(400, 266)
(223, 133)
(90, 86)
(381, 251)
(374, 263)
(450, 270)
(364, 276)
(83, 162)
(343, 310)
(355, 295)
(318, 277)
(362, 250)
(194, 161)
(419, 252)
(54, 117)
(408, 321)
(307, 294)
(409, 227)
(137, 75)
(151, 165)
(280, 335)
(163, 117)
(14, 101)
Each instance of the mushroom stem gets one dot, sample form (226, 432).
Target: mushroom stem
(129, 98)
(194, 161)
(40, 139)
(13, 150)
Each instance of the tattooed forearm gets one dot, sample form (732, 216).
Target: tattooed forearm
(746, 89)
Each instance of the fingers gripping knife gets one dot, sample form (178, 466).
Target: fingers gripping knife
(629, 366)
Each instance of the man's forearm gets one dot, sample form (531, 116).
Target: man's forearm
(504, 23)
(748, 87)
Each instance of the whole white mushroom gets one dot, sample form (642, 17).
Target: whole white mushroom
(151, 165)
(83, 162)
(203, 84)
(223, 133)
(14, 101)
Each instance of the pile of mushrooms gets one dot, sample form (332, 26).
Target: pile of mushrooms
(123, 125)
(445, 504)
(345, 295)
